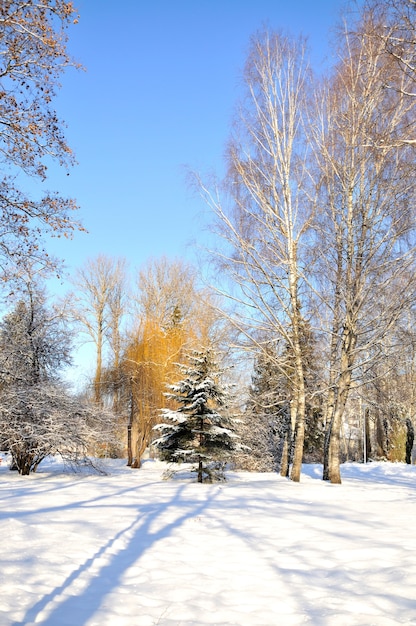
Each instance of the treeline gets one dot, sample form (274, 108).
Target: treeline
(313, 254)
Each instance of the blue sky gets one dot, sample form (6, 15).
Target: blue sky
(157, 96)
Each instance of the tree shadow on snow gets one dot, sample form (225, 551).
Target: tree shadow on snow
(379, 472)
(137, 538)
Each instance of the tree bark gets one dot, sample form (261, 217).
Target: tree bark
(129, 429)
(410, 436)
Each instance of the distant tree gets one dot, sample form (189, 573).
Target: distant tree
(98, 307)
(34, 341)
(165, 291)
(38, 416)
(169, 294)
(32, 58)
(266, 422)
(197, 432)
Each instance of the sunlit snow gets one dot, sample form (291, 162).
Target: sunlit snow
(131, 549)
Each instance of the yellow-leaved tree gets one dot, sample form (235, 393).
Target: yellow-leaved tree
(150, 360)
(175, 315)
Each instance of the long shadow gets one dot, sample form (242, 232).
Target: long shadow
(85, 604)
(34, 611)
(86, 503)
(379, 473)
(138, 538)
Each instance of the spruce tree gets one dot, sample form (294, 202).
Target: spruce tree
(267, 425)
(267, 416)
(197, 432)
(34, 342)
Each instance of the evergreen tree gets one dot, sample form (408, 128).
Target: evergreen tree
(34, 342)
(314, 425)
(267, 416)
(196, 432)
(269, 427)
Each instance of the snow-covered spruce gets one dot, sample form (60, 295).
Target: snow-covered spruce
(197, 432)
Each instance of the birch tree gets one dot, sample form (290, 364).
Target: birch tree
(366, 200)
(99, 306)
(265, 220)
(395, 22)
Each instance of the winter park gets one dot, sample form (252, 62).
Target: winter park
(207, 313)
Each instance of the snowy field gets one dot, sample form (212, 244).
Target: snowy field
(130, 549)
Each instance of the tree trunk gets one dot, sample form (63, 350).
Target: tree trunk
(380, 437)
(299, 436)
(331, 397)
(129, 434)
(284, 463)
(98, 366)
(201, 442)
(368, 450)
(327, 451)
(141, 445)
(200, 470)
(334, 470)
(410, 436)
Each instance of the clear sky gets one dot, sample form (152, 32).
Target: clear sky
(161, 80)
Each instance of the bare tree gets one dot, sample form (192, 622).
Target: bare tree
(170, 293)
(395, 27)
(45, 419)
(99, 306)
(165, 291)
(33, 56)
(265, 226)
(366, 200)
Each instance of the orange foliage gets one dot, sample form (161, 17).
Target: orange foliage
(151, 362)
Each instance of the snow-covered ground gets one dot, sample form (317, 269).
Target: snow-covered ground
(131, 549)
